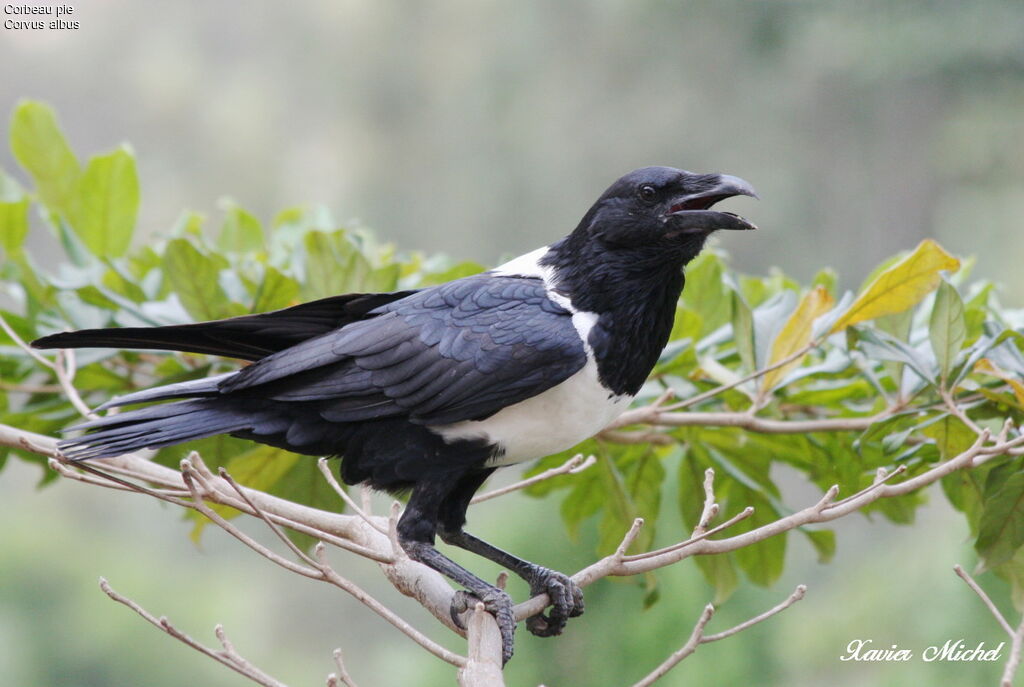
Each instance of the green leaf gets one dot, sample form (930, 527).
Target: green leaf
(947, 327)
(40, 147)
(276, 291)
(743, 330)
(241, 232)
(13, 224)
(1013, 572)
(105, 203)
(706, 292)
(193, 277)
(1001, 531)
(334, 265)
(965, 490)
(952, 437)
(762, 562)
(823, 541)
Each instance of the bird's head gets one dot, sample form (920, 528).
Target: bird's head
(664, 208)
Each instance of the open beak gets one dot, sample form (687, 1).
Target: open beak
(691, 213)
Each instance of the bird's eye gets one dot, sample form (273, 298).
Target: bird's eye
(648, 192)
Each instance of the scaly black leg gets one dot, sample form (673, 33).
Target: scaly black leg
(416, 530)
(566, 596)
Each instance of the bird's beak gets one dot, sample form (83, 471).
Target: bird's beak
(691, 214)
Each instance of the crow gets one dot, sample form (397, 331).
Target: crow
(429, 391)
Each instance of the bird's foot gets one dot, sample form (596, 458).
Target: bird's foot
(496, 602)
(566, 602)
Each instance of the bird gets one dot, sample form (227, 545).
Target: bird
(429, 391)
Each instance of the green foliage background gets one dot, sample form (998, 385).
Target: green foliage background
(890, 346)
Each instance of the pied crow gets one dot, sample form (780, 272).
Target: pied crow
(429, 391)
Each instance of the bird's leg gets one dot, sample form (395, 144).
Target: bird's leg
(416, 530)
(566, 596)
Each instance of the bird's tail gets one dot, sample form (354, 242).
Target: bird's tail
(204, 413)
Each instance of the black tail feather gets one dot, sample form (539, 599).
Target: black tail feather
(249, 337)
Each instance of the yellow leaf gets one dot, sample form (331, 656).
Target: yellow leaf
(990, 368)
(902, 286)
(796, 333)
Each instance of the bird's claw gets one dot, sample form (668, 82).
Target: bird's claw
(496, 602)
(566, 602)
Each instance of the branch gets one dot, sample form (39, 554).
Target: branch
(663, 418)
(697, 637)
(572, 466)
(341, 677)
(699, 398)
(824, 510)
(226, 655)
(993, 609)
(63, 367)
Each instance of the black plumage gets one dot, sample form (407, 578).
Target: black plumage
(431, 390)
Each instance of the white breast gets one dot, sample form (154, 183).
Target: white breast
(558, 418)
(547, 423)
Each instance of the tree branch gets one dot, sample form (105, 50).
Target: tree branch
(572, 466)
(697, 636)
(227, 656)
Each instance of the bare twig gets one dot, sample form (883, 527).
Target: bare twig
(325, 470)
(711, 393)
(20, 343)
(342, 675)
(697, 636)
(572, 466)
(710, 510)
(993, 609)
(64, 368)
(1013, 661)
(227, 656)
(688, 648)
(797, 595)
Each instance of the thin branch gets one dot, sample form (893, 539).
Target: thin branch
(797, 595)
(628, 539)
(697, 636)
(64, 368)
(710, 510)
(1013, 661)
(711, 393)
(881, 477)
(688, 648)
(742, 515)
(318, 569)
(227, 656)
(749, 422)
(824, 510)
(342, 674)
(20, 343)
(325, 470)
(302, 555)
(993, 609)
(957, 411)
(572, 466)
(331, 575)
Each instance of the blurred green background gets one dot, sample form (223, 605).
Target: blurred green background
(485, 129)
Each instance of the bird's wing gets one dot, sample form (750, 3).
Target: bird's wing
(460, 351)
(249, 337)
